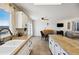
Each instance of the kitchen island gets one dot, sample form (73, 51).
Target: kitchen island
(61, 45)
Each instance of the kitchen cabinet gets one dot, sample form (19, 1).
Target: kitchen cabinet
(55, 48)
(26, 49)
(63, 52)
(21, 19)
(51, 45)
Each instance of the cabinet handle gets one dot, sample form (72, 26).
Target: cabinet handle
(30, 43)
(58, 53)
(50, 43)
(55, 45)
(64, 54)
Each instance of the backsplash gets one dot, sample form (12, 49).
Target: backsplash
(21, 31)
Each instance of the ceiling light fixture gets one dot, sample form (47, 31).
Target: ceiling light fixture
(43, 18)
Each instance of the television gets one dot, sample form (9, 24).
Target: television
(60, 24)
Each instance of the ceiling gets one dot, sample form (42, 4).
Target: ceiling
(53, 12)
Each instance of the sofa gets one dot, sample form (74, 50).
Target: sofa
(72, 34)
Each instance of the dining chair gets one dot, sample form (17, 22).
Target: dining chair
(42, 35)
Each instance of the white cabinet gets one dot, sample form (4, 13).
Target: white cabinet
(63, 52)
(55, 48)
(21, 19)
(26, 49)
(51, 45)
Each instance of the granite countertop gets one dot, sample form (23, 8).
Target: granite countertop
(71, 46)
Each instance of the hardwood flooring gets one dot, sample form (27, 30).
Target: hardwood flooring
(40, 46)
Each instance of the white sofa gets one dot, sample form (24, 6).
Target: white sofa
(72, 34)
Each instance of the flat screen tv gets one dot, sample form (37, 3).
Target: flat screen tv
(60, 24)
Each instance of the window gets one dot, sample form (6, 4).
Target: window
(4, 18)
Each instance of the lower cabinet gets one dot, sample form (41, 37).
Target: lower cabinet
(63, 52)
(26, 49)
(51, 45)
(55, 48)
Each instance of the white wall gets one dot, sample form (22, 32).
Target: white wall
(40, 25)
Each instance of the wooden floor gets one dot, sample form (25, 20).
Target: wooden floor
(40, 46)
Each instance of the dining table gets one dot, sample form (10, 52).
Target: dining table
(46, 33)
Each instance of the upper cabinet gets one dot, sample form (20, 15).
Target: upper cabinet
(21, 19)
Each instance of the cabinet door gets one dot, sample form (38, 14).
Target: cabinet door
(51, 45)
(51, 42)
(23, 20)
(19, 20)
(63, 52)
(24, 50)
(57, 49)
(29, 44)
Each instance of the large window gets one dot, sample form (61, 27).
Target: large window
(4, 18)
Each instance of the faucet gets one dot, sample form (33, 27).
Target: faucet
(6, 29)
(2, 41)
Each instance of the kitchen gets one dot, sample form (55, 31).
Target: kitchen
(14, 33)
(23, 28)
